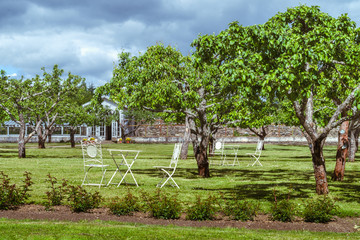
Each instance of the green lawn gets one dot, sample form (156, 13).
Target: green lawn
(284, 168)
(30, 229)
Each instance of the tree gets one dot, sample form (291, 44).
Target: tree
(73, 113)
(32, 102)
(18, 100)
(308, 57)
(58, 89)
(163, 80)
(257, 114)
(354, 132)
(133, 120)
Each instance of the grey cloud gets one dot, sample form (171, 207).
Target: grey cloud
(84, 36)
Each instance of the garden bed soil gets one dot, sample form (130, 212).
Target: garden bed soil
(63, 213)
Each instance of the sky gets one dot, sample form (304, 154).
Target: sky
(84, 37)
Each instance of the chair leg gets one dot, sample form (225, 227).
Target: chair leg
(159, 184)
(174, 183)
(84, 179)
(93, 184)
(167, 179)
(102, 178)
(256, 161)
(168, 176)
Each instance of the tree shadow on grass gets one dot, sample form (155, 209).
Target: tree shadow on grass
(346, 192)
(257, 191)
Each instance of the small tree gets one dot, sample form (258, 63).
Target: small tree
(18, 100)
(58, 90)
(73, 113)
(133, 121)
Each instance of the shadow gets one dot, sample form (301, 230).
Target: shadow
(262, 191)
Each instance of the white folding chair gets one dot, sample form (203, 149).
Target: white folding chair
(218, 149)
(92, 155)
(170, 170)
(256, 156)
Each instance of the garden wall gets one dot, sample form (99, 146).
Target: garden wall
(161, 132)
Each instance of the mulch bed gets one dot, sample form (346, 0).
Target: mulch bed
(63, 213)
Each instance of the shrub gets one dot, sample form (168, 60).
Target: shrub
(124, 206)
(241, 209)
(320, 210)
(162, 206)
(12, 196)
(57, 193)
(283, 210)
(81, 201)
(202, 209)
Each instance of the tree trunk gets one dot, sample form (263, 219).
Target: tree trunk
(262, 138)
(318, 160)
(357, 132)
(211, 145)
(41, 140)
(342, 151)
(21, 140)
(72, 138)
(353, 144)
(261, 133)
(49, 138)
(185, 144)
(21, 150)
(200, 152)
(21, 143)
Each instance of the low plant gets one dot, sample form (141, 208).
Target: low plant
(57, 193)
(124, 206)
(320, 210)
(202, 209)
(241, 209)
(283, 210)
(80, 200)
(12, 196)
(160, 205)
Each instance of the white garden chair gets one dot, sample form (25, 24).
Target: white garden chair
(218, 149)
(256, 156)
(170, 170)
(92, 155)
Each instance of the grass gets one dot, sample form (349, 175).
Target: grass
(285, 168)
(30, 229)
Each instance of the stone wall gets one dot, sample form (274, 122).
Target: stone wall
(167, 130)
(161, 132)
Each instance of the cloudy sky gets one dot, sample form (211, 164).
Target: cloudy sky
(85, 36)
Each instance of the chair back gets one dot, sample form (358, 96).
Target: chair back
(218, 146)
(176, 155)
(259, 147)
(92, 152)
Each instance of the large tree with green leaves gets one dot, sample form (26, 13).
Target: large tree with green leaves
(163, 80)
(50, 107)
(309, 58)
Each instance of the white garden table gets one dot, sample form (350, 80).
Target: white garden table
(123, 158)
